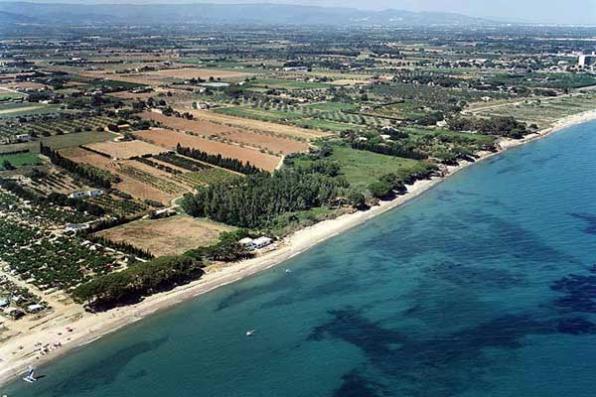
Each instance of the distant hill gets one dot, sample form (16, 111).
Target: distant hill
(11, 18)
(268, 14)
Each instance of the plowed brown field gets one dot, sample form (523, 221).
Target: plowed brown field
(169, 139)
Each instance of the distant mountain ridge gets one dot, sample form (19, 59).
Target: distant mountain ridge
(267, 14)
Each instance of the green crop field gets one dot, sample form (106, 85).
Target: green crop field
(8, 95)
(361, 168)
(325, 125)
(19, 159)
(15, 109)
(258, 114)
(332, 106)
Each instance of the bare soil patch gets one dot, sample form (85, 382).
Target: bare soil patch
(258, 139)
(168, 236)
(169, 139)
(125, 150)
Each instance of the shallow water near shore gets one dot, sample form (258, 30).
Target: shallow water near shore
(483, 286)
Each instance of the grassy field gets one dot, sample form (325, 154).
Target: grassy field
(361, 168)
(325, 125)
(332, 106)
(60, 141)
(258, 114)
(19, 159)
(8, 95)
(15, 109)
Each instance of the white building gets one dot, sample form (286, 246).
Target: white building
(257, 243)
(23, 137)
(302, 69)
(77, 195)
(587, 61)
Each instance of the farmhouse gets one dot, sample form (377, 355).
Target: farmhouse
(75, 227)
(77, 195)
(35, 308)
(23, 137)
(257, 243)
(296, 69)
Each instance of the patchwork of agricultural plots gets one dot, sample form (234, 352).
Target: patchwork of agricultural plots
(188, 171)
(55, 181)
(164, 76)
(46, 128)
(132, 177)
(258, 125)
(287, 84)
(168, 236)
(170, 139)
(262, 141)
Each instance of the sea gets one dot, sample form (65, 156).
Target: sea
(483, 286)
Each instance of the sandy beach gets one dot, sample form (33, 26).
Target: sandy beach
(70, 327)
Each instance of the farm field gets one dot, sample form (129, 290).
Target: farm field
(330, 117)
(188, 171)
(23, 85)
(19, 159)
(260, 140)
(258, 114)
(125, 149)
(6, 95)
(168, 236)
(136, 179)
(287, 84)
(60, 141)
(167, 75)
(279, 129)
(170, 139)
(360, 167)
(68, 124)
(15, 109)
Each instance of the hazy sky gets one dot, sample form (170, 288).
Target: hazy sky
(550, 11)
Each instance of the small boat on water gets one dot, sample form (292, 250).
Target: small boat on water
(250, 332)
(30, 377)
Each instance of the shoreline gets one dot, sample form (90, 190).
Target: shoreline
(20, 351)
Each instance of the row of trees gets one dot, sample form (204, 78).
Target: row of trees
(63, 200)
(257, 200)
(137, 281)
(92, 175)
(218, 160)
(122, 246)
(227, 249)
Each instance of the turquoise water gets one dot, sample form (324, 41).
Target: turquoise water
(484, 286)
